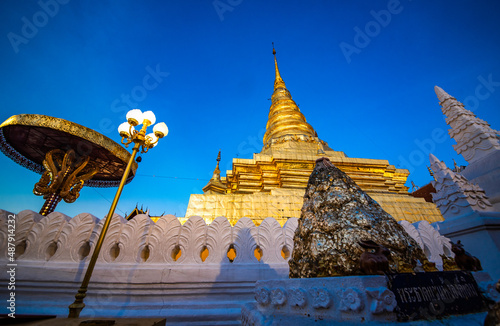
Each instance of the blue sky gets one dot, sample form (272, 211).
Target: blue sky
(362, 73)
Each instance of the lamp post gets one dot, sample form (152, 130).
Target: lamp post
(143, 142)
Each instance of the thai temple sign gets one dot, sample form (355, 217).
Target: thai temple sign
(273, 183)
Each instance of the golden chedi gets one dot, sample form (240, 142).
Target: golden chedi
(273, 182)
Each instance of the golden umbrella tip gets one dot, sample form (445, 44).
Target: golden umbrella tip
(274, 51)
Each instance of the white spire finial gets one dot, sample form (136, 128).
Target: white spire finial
(441, 94)
(455, 195)
(475, 138)
(437, 166)
(433, 158)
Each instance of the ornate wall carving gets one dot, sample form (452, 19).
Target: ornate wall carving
(429, 239)
(59, 238)
(160, 265)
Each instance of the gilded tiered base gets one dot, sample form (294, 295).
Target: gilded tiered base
(284, 203)
(273, 186)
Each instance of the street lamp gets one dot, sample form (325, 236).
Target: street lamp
(141, 141)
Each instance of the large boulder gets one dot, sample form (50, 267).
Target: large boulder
(335, 217)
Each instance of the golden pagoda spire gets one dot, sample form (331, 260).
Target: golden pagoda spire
(216, 175)
(285, 118)
(278, 82)
(215, 186)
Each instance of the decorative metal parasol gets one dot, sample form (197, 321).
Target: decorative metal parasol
(68, 156)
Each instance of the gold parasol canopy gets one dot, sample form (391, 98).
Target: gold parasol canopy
(27, 138)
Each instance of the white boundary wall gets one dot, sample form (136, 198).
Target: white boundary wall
(130, 280)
